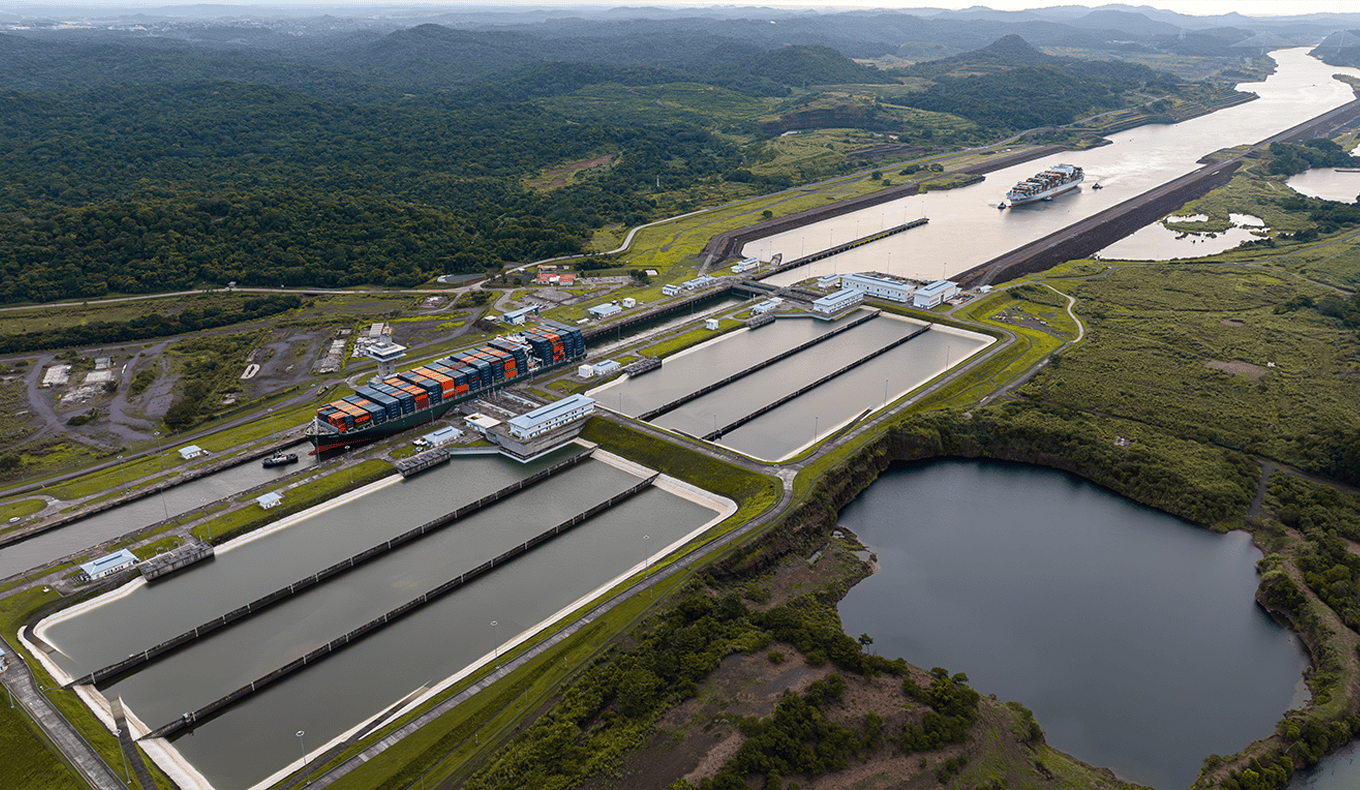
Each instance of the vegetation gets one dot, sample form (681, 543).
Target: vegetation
(208, 367)
(30, 760)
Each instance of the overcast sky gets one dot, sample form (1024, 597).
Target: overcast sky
(1193, 7)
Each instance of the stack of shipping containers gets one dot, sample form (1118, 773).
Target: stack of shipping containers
(453, 377)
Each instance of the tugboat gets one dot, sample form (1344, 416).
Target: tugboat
(280, 459)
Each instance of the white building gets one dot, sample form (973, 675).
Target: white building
(606, 367)
(554, 415)
(481, 423)
(442, 436)
(109, 564)
(880, 287)
(586, 371)
(604, 310)
(829, 281)
(745, 265)
(670, 290)
(272, 499)
(629, 302)
(192, 451)
(710, 323)
(767, 305)
(928, 296)
(843, 299)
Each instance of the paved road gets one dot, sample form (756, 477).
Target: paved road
(79, 753)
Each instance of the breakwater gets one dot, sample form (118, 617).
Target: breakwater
(682, 400)
(216, 707)
(113, 671)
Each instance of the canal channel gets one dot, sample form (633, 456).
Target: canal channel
(116, 522)
(434, 643)
(966, 228)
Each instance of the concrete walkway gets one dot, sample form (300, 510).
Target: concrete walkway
(77, 750)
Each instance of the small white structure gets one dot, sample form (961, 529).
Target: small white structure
(190, 452)
(57, 376)
(109, 564)
(702, 281)
(554, 415)
(481, 423)
(829, 281)
(586, 371)
(745, 265)
(103, 363)
(670, 290)
(516, 317)
(986, 289)
(843, 299)
(604, 310)
(767, 305)
(629, 302)
(711, 323)
(606, 367)
(928, 296)
(881, 287)
(442, 436)
(272, 499)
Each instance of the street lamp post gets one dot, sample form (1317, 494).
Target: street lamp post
(646, 558)
(349, 461)
(157, 434)
(123, 472)
(161, 488)
(305, 771)
(496, 642)
(272, 429)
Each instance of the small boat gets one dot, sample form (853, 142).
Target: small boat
(1096, 186)
(280, 459)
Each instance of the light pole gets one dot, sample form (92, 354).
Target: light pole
(496, 642)
(123, 472)
(814, 427)
(272, 429)
(157, 434)
(207, 521)
(885, 392)
(646, 558)
(305, 772)
(161, 488)
(349, 459)
(126, 772)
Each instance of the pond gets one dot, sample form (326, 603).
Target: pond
(1133, 636)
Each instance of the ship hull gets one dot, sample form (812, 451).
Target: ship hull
(325, 441)
(1045, 195)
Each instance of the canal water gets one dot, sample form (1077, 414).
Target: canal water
(787, 429)
(1157, 242)
(966, 229)
(1133, 636)
(434, 643)
(430, 645)
(110, 524)
(121, 624)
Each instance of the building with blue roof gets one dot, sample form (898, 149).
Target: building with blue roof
(109, 564)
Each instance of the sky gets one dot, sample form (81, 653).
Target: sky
(1191, 7)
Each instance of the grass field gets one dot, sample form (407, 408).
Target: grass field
(30, 761)
(1201, 352)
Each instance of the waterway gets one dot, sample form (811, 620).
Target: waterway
(966, 229)
(426, 647)
(125, 623)
(1158, 242)
(435, 642)
(789, 428)
(1133, 636)
(113, 523)
(1328, 183)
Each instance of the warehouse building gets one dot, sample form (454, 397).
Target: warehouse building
(109, 564)
(838, 302)
(928, 296)
(892, 289)
(554, 415)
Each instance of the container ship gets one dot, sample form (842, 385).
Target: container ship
(1044, 186)
(426, 393)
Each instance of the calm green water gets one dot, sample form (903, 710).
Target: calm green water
(1133, 636)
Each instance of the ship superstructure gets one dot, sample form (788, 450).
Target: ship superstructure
(1044, 186)
(402, 400)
